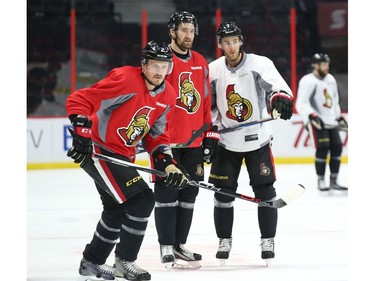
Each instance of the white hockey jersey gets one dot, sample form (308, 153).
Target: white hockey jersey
(320, 96)
(241, 95)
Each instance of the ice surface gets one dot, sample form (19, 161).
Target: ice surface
(63, 208)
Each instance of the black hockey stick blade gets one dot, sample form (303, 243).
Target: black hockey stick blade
(230, 129)
(195, 135)
(293, 194)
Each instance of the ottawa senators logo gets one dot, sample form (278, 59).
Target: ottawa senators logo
(328, 99)
(137, 128)
(200, 170)
(189, 98)
(264, 170)
(239, 109)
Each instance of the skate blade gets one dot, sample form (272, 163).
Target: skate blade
(326, 192)
(339, 191)
(223, 262)
(90, 278)
(168, 265)
(182, 264)
(268, 262)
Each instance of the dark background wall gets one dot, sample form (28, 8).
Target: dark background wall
(109, 35)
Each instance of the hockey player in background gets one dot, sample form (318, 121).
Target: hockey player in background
(110, 118)
(318, 103)
(174, 208)
(244, 88)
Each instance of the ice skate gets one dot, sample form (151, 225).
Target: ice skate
(167, 256)
(90, 271)
(129, 270)
(322, 185)
(268, 249)
(225, 245)
(335, 186)
(185, 259)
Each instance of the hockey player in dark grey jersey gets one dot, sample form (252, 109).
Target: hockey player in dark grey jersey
(243, 87)
(318, 103)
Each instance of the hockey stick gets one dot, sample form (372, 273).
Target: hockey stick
(196, 134)
(293, 194)
(230, 129)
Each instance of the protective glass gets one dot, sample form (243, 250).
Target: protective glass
(159, 67)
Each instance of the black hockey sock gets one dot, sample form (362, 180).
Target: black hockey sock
(184, 219)
(165, 222)
(223, 218)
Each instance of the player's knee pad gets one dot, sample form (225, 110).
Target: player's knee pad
(336, 150)
(165, 194)
(146, 202)
(219, 197)
(264, 192)
(322, 152)
(188, 194)
(112, 217)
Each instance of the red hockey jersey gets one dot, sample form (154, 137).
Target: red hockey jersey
(123, 111)
(190, 78)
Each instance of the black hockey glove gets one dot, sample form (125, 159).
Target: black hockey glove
(176, 174)
(210, 142)
(281, 106)
(316, 121)
(82, 145)
(343, 125)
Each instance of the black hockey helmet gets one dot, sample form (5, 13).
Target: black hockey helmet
(182, 16)
(320, 57)
(155, 51)
(227, 29)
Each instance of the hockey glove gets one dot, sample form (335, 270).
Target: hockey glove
(82, 145)
(281, 106)
(210, 142)
(176, 174)
(316, 121)
(343, 125)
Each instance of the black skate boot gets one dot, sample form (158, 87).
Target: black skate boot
(225, 245)
(188, 258)
(129, 270)
(167, 256)
(268, 249)
(92, 271)
(334, 185)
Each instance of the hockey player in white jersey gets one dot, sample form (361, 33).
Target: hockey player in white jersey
(318, 103)
(245, 88)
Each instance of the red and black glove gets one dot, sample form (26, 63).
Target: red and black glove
(82, 145)
(316, 121)
(343, 125)
(210, 142)
(281, 105)
(176, 174)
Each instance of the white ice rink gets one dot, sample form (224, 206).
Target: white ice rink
(311, 243)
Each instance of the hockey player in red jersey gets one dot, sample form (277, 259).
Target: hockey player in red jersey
(110, 118)
(190, 78)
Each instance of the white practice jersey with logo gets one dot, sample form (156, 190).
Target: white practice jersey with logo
(320, 96)
(241, 95)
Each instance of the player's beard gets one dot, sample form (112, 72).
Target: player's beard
(183, 45)
(322, 73)
(154, 79)
(233, 59)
